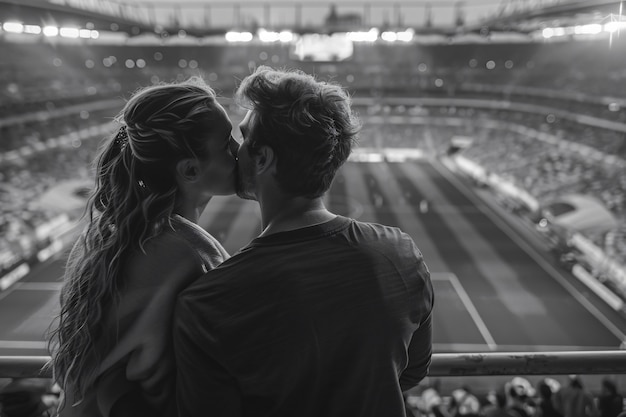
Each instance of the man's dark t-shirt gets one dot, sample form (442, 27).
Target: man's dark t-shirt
(328, 320)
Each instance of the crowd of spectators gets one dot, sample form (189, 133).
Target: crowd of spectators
(25, 176)
(42, 145)
(519, 398)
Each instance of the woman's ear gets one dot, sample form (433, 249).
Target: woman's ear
(187, 169)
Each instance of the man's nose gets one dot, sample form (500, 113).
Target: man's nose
(234, 146)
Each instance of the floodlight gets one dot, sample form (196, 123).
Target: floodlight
(406, 36)
(238, 36)
(369, 36)
(267, 36)
(32, 29)
(592, 29)
(50, 31)
(69, 32)
(285, 36)
(615, 26)
(389, 36)
(13, 27)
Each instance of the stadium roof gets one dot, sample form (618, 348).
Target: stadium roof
(528, 19)
(120, 16)
(45, 13)
(134, 18)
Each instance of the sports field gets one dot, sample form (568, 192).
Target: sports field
(496, 288)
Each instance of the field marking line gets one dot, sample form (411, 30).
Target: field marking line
(22, 344)
(38, 286)
(469, 306)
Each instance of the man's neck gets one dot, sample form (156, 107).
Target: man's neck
(294, 213)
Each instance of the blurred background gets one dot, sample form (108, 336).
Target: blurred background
(494, 134)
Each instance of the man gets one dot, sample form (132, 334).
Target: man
(320, 315)
(573, 400)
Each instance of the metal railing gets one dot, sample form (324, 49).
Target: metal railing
(443, 364)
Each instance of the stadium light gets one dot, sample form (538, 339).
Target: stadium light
(589, 29)
(109, 61)
(592, 29)
(69, 32)
(267, 36)
(271, 36)
(404, 36)
(389, 36)
(369, 36)
(557, 31)
(13, 27)
(285, 36)
(50, 31)
(612, 27)
(84, 33)
(95, 34)
(238, 36)
(32, 29)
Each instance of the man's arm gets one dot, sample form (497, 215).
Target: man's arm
(420, 353)
(420, 347)
(203, 386)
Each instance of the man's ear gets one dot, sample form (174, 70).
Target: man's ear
(187, 169)
(265, 160)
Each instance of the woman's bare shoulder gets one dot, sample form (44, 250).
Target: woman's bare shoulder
(164, 258)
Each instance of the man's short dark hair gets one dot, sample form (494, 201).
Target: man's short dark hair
(308, 124)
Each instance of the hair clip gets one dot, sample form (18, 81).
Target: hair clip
(121, 138)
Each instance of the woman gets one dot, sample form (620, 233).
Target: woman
(112, 352)
(545, 406)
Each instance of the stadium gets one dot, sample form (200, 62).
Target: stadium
(498, 145)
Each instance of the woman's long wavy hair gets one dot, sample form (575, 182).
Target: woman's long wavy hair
(134, 197)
